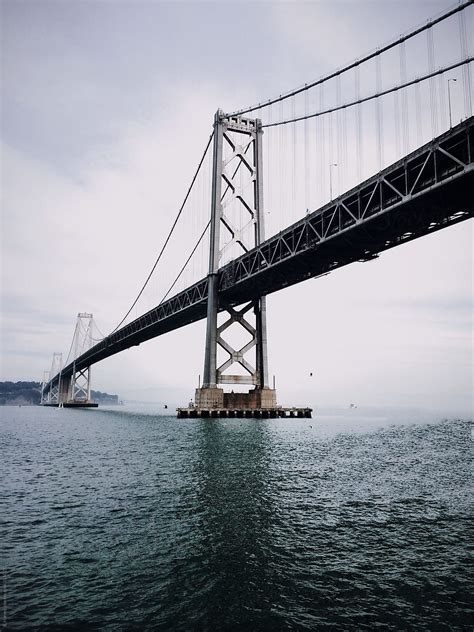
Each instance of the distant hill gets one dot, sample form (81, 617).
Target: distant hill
(29, 393)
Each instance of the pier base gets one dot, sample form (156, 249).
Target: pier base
(73, 405)
(249, 413)
(258, 403)
(258, 398)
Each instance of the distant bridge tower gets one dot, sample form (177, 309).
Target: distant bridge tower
(71, 386)
(44, 394)
(237, 209)
(50, 396)
(80, 381)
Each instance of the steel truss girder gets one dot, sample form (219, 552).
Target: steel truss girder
(189, 303)
(274, 264)
(434, 165)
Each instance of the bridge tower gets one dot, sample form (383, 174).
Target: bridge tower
(79, 388)
(50, 396)
(70, 386)
(44, 393)
(237, 225)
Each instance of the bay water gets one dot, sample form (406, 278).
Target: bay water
(127, 519)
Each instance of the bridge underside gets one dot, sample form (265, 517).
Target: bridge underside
(428, 190)
(416, 217)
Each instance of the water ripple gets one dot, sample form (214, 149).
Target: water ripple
(115, 520)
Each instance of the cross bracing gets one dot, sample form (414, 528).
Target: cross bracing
(429, 189)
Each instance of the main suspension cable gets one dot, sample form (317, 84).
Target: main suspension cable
(100, 332)
(186, 263)
(169, 234)
(357, 62)
(72, 342)
(373, 96)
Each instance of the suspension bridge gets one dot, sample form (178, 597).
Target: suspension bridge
(373, 155)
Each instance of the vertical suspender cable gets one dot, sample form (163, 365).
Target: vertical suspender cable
(460, 7)
(466, 70)
(270, 159)
(358, 115)
(322, 153)
(345, 160)
(266, 173)
(432, 83)
(418, 116)
(330, 150)
(379, 114)
(396, 112)
(281, 157)
(443, 109)
(339, 159)
(306, 153)
(404, 98)
(293, 166)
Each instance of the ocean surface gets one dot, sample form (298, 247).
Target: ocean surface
(125, 519)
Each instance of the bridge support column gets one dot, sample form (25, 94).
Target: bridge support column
(64, 388)
(49, 388)
(45, 394)
(79, 391)
(237, 209)
(210, 356)
(80, 386)
(71, 386)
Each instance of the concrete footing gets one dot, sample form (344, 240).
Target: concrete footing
(253, 413)
(215, 398)
(74, 405)
(259, 403)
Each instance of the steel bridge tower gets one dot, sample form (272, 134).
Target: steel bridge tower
(72, 390)
(51, 397)
(237, 222)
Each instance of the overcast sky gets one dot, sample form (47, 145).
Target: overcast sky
(106, 107)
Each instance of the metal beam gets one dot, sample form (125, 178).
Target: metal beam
(428, 190)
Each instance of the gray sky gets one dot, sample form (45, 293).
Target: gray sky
(106, 107)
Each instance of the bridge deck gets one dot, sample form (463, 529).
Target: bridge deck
(428, 190)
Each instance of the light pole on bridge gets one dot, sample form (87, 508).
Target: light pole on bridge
(449, 103)
(333, 164)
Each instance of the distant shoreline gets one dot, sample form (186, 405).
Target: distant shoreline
(29, 394)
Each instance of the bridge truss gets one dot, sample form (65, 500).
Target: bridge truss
(428, 190)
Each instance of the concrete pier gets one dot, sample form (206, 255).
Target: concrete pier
(259, 403)
(73, 404)
(215, 398)
(250, 413)
(228, 359)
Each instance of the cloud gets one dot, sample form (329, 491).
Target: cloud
(107, 111)
(87, 243)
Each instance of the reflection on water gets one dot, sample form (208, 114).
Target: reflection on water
(236, 506)
(221, 567)
(115, 519)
